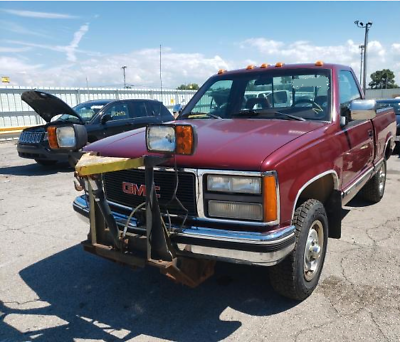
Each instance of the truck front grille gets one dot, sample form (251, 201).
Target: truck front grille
(134, 180)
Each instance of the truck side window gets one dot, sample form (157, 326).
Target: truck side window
(348, 91)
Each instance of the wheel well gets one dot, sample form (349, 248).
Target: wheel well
(320, 190)
(323, 190)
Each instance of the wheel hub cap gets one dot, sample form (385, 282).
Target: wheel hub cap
(313, 250)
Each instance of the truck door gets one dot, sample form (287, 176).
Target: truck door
(356, 136)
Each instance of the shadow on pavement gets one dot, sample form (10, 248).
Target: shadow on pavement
(102, 300)
(35, 169)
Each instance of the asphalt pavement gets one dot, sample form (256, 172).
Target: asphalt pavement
(51, 290)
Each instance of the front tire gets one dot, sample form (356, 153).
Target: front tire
(297, 275)
(375, 188)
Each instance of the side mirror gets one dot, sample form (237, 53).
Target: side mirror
(69, 138)
(362, 109)
(105, 118)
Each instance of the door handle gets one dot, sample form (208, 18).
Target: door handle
(370, 133)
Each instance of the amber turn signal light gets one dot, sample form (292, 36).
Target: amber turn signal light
(270, 199)
(52, 137)
(185, 139)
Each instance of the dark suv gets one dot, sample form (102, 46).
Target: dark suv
(101, 118)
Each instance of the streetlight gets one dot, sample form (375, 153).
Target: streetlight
(366, 27)
(123, 70)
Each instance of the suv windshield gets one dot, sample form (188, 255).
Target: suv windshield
(280, 94)
(86, 111)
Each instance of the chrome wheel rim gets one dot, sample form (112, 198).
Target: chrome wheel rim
(313, 250)
(382, 178)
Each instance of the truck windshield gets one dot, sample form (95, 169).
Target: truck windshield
(302, 93)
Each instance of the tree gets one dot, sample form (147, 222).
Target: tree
(383, 79)
(190, 86)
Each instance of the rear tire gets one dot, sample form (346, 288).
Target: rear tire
(297, 275)
(375, 188)
(46, 162)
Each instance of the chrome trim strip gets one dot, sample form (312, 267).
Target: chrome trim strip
(235, 256)
(335, 185)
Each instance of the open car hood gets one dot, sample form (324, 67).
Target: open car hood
(47, 105)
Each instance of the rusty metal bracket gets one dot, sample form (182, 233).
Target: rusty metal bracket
(189, 272)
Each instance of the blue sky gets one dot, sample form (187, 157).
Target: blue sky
(65, 43)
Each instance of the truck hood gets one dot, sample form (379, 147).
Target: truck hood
(239, 144)
(47, 105)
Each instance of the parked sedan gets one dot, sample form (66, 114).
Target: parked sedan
(101, 118)
(395, 104)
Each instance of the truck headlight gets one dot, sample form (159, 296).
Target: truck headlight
(171, 139)
(244, 185)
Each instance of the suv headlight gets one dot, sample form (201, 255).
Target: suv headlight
(243, 185)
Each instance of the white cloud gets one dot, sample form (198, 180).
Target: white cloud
(177, 68)
(39, 15)
(15, 28)
(13, 50)
(142, 70)
(72, 47)
(306, 52)
(70, 50)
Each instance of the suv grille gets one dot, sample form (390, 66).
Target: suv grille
(31, 137)
(163, 179)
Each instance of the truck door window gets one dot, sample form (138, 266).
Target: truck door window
(348, 90)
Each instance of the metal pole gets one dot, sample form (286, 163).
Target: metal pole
(361, 61)
(160, 74)
(123, 70)
(365, 59)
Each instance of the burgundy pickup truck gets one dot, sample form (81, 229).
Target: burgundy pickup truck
(255, 170)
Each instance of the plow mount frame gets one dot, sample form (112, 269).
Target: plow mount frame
(106, 240)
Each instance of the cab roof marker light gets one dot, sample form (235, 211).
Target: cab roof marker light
(250, 67)
(221, 71)
(264, 65)
(319, 63)
(279, 64)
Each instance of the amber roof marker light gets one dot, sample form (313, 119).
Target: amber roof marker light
(264, 65)
(279, 65)
(250, 67)
(221, 71)
(319, 63)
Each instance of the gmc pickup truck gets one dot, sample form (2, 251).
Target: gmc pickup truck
(255, 170)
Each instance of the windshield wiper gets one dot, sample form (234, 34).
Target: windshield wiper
(194, 115)
(256, 112)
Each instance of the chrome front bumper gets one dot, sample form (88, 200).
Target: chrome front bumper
(232, 246)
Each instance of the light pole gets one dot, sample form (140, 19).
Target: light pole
(366, 27)
(123, 70)
(361, 61)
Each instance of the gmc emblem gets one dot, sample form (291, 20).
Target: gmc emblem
(134, 189)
